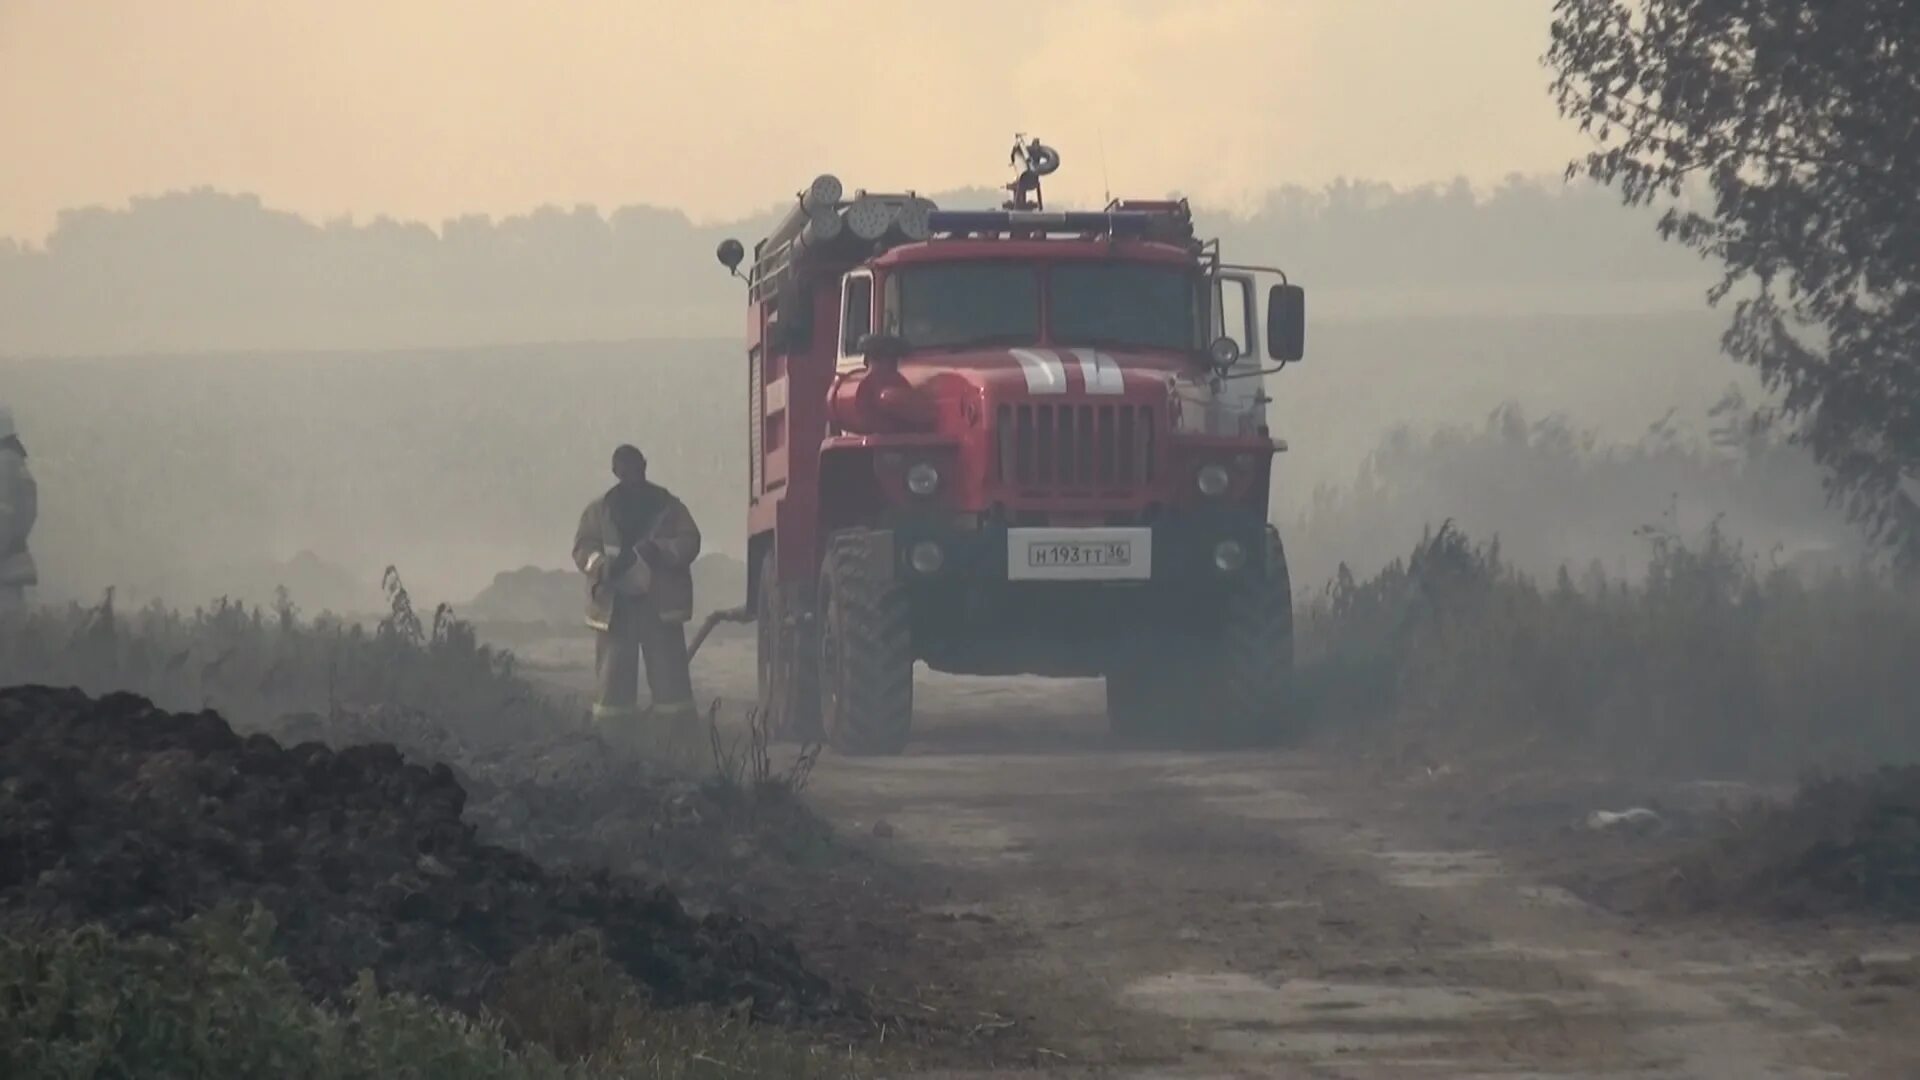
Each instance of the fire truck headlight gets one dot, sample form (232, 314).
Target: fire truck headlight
(1223, 353)
(1229, 556)
(923, 479)
(1212, 480)
(926, 558)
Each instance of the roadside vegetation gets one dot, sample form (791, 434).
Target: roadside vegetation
(1711, 664)
(1687, 603)
(1710, 667)
(214, 999)
(256, 664)
(1557, 493)
(1707, 657)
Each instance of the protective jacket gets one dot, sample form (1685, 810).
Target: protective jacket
(643, 522)
(19, 508)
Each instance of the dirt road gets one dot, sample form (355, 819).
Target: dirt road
(1271, 914)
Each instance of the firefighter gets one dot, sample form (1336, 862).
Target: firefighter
(636, 544)
(19, 506)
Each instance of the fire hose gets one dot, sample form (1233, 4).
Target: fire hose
(731, 615)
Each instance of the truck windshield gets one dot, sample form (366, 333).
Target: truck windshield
(1127, 305)
(936, 307)
(1123, 304)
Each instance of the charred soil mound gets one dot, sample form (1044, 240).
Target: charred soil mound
(571, 796)
(1842, 844)
(114, 811)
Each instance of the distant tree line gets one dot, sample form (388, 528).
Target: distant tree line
(207, 270)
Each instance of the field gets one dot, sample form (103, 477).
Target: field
(183, 478)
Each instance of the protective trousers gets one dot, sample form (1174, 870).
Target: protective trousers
(618, 653)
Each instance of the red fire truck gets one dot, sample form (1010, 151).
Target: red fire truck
(1012, 441)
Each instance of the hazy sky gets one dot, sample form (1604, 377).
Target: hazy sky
(430, 108)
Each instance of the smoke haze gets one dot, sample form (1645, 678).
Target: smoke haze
(432, 109)
(221, 397)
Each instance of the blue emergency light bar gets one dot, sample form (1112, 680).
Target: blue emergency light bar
(1117, 223)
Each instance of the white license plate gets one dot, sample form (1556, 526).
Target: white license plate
(1115, 553)
(1087, 554)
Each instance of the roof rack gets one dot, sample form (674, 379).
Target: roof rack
(822, 222)
(1079, 223)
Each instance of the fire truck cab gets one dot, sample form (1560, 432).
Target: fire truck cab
(1006, 442)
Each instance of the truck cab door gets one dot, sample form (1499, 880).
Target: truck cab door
(856, 318)
(1236, 315)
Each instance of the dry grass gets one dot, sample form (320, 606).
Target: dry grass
(1708, 665)
(1842, 844)
(255, 665)
(744, 775)
(1556, 493)
(571, 1001)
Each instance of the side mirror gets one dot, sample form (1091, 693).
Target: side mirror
(884, 348)
(1286, 323)
(731, 253)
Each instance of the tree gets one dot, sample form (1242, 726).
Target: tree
(1799, 120)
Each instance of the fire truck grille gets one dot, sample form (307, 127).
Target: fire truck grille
(1076, 449)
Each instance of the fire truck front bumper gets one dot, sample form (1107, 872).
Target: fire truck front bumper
(1214, 548)
(1069, 602)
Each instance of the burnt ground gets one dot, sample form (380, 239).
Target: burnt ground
(877, 931)
(116, 812)
(1840, 845)
(1099, 911)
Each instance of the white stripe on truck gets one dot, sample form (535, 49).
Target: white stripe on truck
(1044, 371)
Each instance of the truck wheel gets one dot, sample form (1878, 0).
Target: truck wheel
(1254, 655)
(866, 650)
(789, 682)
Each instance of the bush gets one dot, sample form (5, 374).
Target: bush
(570, 999)
(256, 665)
(1556, 494)
(214, 1000)
(1843, 843)
(1708, 663)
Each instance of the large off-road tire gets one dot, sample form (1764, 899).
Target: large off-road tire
(1253, 657)
(788, 668)
(866, 649)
